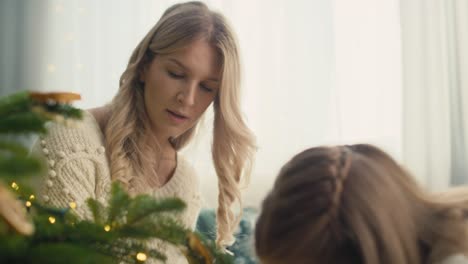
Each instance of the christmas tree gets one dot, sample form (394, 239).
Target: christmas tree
(33, 233)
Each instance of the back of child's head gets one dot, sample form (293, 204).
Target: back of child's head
(345, 204)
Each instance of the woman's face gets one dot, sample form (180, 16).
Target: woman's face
(179, 87)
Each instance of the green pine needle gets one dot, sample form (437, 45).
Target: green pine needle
(119, 199)
(144, 205)
(14, 103)
(69, 253)
(98, 211)
(65, 110)
(23, 123)
(13, 148)
(17, 167)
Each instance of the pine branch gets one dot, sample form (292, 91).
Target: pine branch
(144, 205)
(17, 167)
(98, 211)
(13, 148)
(26, 122)
(119, 198)
(69, 253)
(14, 103)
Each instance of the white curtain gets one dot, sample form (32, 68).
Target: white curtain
(435, 56)
(315, 71)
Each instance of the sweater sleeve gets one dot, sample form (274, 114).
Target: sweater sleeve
(76, 170)
(455, 259)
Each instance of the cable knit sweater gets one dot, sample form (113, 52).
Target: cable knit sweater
(455, 259)
(78, 169)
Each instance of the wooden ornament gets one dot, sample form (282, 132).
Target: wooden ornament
(59, 97)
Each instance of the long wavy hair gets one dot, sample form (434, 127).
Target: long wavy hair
(355, 204)
(128, 132)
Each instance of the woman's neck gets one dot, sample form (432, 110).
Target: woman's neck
(167, 151)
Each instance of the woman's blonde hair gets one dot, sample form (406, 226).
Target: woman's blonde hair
(127, 130)
(355, 204)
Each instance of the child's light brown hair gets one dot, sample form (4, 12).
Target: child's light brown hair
(355, 204)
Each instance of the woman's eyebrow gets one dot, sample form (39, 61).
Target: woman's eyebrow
(180, 64)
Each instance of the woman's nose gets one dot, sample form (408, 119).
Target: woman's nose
(187, 94)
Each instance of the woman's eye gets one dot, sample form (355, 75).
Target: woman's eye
(175, 75)
(206, 88)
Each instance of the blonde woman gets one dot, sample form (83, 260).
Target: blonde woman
(187, 61)
(355, 204)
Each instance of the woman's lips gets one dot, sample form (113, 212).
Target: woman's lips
(176, 117)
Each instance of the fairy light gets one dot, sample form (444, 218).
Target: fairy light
(72, 205)
(141, 256)
(15, 186)
(28, 204)
(32, 197)
(52, 219)
(107, 228)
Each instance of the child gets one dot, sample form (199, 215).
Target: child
(355, 204)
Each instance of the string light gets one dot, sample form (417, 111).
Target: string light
(51, 219)
(72, 205)
(32, 197)
(28, 204)
(15, 186)
(141, 256)
(107, 228)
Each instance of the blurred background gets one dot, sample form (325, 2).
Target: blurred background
(315, 72)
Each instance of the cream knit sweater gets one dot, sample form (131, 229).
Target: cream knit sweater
(455, 259)
(78, 169)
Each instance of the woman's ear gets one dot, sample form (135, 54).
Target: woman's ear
(146, 64)
(143, 73)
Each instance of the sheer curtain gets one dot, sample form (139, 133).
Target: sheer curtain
(435, 55)
(315, 71)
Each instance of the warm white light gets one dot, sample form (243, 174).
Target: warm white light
(15, 186)
(52, 219)
(141, 256)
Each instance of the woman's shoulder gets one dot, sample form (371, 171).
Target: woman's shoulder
(78, 138)
(74, 133)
